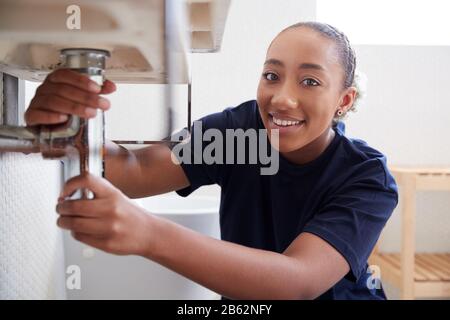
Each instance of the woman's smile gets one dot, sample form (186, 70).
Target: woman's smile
(285, 124)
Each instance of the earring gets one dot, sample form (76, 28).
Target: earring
(340, 113)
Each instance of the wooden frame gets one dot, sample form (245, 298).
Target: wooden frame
(424, 275)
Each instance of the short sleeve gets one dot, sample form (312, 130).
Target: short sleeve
(354, 215)
(191, 157)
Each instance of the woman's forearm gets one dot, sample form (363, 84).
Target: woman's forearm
(144, 172)
(121, 168)
(232, 270)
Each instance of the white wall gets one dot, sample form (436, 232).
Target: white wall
(406, 115)
(404, 22)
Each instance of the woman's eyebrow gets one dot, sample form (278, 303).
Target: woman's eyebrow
(274, 62)
(311, 66)
(301, 66)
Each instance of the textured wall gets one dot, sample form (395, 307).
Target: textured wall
(31, 251)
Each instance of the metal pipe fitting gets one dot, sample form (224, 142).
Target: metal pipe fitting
(79, 142)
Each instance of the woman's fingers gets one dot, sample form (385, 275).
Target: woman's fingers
(73, 78)
(108, 87)
(66, 92)
(74, 94)
(92, 226)
(99, 186)
(82, 208)
(57, 104)
(36, 116)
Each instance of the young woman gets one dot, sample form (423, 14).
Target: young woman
(304, 232)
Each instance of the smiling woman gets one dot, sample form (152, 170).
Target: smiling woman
(332, 195)
(314, 68)
(303, 232)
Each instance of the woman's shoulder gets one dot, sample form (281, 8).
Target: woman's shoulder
(363, 160)
(356, 148)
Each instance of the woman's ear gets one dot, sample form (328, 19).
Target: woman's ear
(347, 99)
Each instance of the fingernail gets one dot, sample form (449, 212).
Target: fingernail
(63, 117)
(103, 103)
(94, 87)
(91, 112)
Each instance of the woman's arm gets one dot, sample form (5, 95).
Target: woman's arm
(110, 222)
(307, 268)
(144, 172)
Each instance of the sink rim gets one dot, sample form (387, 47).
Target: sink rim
(209, 209)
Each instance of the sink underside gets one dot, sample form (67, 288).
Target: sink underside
(33, 32)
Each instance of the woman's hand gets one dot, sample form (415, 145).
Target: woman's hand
(63, 93)
(110, 221)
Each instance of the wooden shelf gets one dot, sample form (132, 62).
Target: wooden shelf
(424, 275)
(431, 272)
(427, 266)
(421, 170)
(425, 179)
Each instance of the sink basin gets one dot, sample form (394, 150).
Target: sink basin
(33, 32)
(106, 276)
(175, 205)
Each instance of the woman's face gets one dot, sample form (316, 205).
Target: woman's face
(301, 88)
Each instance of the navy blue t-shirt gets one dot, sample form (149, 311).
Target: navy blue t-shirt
(345, 196)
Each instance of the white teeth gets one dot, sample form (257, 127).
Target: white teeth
(285, 123)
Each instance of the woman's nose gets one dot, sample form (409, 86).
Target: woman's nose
(285, 98)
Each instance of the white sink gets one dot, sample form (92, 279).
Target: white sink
(172, 204)
(106, 276)
(33, 32)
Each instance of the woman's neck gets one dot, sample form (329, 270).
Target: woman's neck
(312, 150)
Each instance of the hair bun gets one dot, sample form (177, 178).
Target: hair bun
(360, 83)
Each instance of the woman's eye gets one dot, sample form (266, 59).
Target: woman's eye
(310, 82)
(270, 76)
